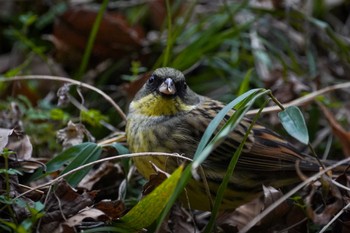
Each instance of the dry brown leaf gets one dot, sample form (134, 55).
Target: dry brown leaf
(115, 38)
(78, 219)
(113, 209)
(245, 213)
(62, 203)
(329, 210)
(338, 130)
(107, 171)
(63, 95)
(73, 134)
(271, 195)
(132, 88)
(17, 142)
(182, 220)
(158, 12)
(154, 180)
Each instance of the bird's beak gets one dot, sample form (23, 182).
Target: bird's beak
(167, 87)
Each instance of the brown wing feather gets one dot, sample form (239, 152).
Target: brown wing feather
(264, 150)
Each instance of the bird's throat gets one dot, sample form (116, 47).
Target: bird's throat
(157, 105)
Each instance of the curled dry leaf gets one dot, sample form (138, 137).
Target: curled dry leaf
(17, 142)
(73, 135)
(154, 180)
(62, 94)
(245, 213)
(77, 220)
(324, 216)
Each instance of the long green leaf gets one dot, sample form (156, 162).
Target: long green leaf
(91, 152)
(60, 160)
(150, 207)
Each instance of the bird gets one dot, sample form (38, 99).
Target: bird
(167, 116)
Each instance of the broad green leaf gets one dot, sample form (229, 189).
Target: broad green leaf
(293, 122)
(62, 159)
(91, 152)
(150, 207)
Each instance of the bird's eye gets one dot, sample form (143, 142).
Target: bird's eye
(151, 79)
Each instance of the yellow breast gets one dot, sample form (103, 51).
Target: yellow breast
(156, 105)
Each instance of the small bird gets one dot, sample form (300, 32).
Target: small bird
(167, 116)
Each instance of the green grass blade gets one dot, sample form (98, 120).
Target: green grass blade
(216, 121)
(220, 194)
(244, 87)
(201, 153)
(91, 41)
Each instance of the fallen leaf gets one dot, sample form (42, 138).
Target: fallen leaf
(62, 203)
(115, 37)
(327, 212)
(244, 214)
(154, 180)
(90, 214)
(181, 220)
(17, 142)
(338, 130)
(73, 135)
(106, 175)
(113, 209)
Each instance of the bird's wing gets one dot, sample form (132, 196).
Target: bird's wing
(264, 149)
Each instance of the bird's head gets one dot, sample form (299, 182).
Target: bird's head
(165, 93)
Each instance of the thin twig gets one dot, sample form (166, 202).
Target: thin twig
(100, 161)
(339, 185)
(302, 100)
(63, 79)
